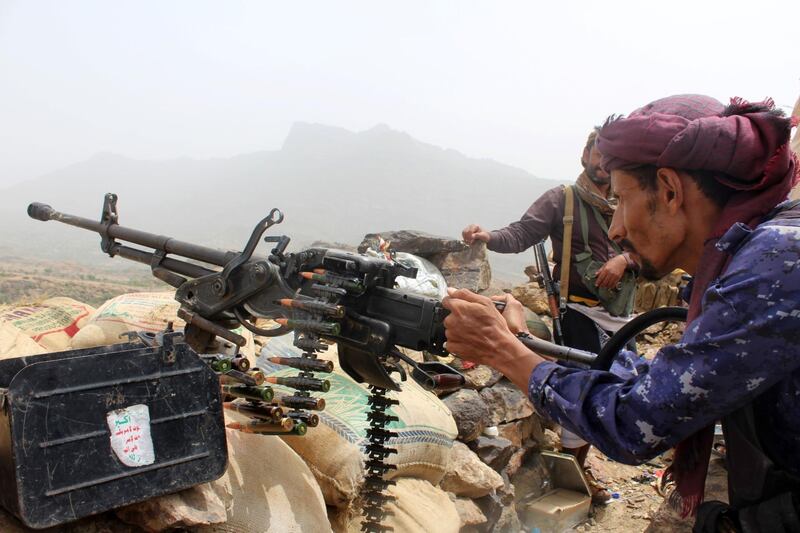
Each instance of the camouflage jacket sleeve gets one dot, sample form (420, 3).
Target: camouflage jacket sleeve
(744, 343)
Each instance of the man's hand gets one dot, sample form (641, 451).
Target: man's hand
(473, 233)
(476, 331)
(609, 274)
(514, 314)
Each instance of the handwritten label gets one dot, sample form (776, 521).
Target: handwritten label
(130, 435)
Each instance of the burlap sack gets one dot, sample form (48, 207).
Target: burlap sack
(333, 450)
(138, 311)
(51, 323)
(418, 507)
(14, 343)
(268, 488)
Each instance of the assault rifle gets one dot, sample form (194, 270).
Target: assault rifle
(319, 293)
(546, 281)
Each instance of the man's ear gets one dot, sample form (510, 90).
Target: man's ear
(670, 189)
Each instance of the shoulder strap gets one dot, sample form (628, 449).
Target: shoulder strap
(566, 247)
(585, 227)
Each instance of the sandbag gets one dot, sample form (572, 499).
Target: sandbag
(333, 450)
(267, 488)
(138, 311)
(418, 507)
(15, 343)
(52, 323)
(428, 282)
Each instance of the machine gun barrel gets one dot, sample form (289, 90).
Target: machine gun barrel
(111, 231)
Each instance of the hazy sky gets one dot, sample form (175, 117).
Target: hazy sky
(519, 82)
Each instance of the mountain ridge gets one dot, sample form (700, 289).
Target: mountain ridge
(332, 184)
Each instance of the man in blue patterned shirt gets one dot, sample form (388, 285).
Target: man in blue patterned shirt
(698, 184)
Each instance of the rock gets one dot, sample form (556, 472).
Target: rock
(551, 441)
(537, 326)
(197, 506)
(469, 269)
(469, 512)
(532, 272)
(481, 376)
(516, 461)
(467, 476)
(493, 505)
(506, 403)
(533, 297)
(470, 413)
(413, 242)
(333, 245)
(508, 520)
(661, 293)
(494, 451)
(518, 431)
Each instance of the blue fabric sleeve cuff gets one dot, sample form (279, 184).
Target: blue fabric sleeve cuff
(537, 382)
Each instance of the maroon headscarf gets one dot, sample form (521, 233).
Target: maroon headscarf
(746, 146)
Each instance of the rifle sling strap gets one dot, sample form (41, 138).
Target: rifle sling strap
(566, 247)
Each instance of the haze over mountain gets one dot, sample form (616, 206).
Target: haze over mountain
(331, 184)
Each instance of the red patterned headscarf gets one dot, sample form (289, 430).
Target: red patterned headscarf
(746, 147)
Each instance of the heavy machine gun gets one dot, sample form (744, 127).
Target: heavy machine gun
(317, 293)
(321, 296)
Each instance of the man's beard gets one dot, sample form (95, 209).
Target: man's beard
(591, 173)
(646, 269)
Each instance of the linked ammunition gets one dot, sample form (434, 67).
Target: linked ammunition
(242, 364)
(325, 328)
(378, 466)
(264, 412)
(380, 433)
(313, 345)
(300, 383)
(330, 290)
(282, 426)
(382, 418)
(382, 401)
(219, 364)
(304, 363)
(250, 378)
(257, 375)
(263, 394)
(301, 402)
(299, 428)
(345, 283)
(314, 306)
(234, 377)
(309, 419)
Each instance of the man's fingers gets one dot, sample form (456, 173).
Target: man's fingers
(468, 233)
(468, 295)
(453, 303)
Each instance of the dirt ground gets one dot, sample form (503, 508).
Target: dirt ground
(638, 507)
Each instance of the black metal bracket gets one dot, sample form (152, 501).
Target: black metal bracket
(275, 217)
(162, 273)
(108, 217)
